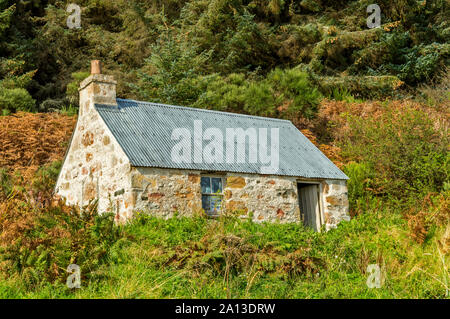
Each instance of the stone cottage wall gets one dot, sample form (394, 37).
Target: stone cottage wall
(95, 166)
(267, 198)
(335, 202)
(162, 192)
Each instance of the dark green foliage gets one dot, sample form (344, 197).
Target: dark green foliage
(366, 87)
(359, 185)
(13, 79)
(295, 86)
(406, 148)
(17, 99)
(235, 93)
(162, 50)
(72, 87)
(5, 16)
(175, 63)
(282, 93)
(230, 29)
(397, 54)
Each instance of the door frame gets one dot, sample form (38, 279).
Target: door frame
(321, 217)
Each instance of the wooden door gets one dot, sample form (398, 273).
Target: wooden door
(309, 205)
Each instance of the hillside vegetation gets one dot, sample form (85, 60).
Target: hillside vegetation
(375, 101)
(274, 57)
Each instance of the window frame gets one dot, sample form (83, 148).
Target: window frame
(211, 213)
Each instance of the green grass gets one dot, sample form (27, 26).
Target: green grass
(232, 258)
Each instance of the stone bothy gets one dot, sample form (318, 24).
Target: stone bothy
(163, 160)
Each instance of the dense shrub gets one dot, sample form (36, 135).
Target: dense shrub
(236, 93)
(40, 236)
(359, 185)
(295, 87)
(395, 54)
(174, 62)
(407, 148)
(17, 99)
(366, 87)
(282, 93)
(229, 29)
(295, 43)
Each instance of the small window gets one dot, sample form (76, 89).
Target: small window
(212, 194)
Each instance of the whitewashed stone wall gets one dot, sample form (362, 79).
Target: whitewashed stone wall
(336, 208)
(96, 166)
(164, 192)
(266, 198)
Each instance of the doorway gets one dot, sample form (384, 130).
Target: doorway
(308, 200)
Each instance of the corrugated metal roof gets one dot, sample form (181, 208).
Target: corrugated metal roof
(144, 132)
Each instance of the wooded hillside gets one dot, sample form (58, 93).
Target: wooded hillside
(274, 57)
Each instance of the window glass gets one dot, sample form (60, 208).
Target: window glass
(206, 185)
(206, 203)
(212, 188)
(216, 185)
(216, 202)
(211, 204)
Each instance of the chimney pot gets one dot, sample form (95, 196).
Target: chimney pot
(96, 67)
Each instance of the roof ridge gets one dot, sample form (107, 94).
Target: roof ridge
(205, 110)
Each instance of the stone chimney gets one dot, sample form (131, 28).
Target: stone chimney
(97, 88)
